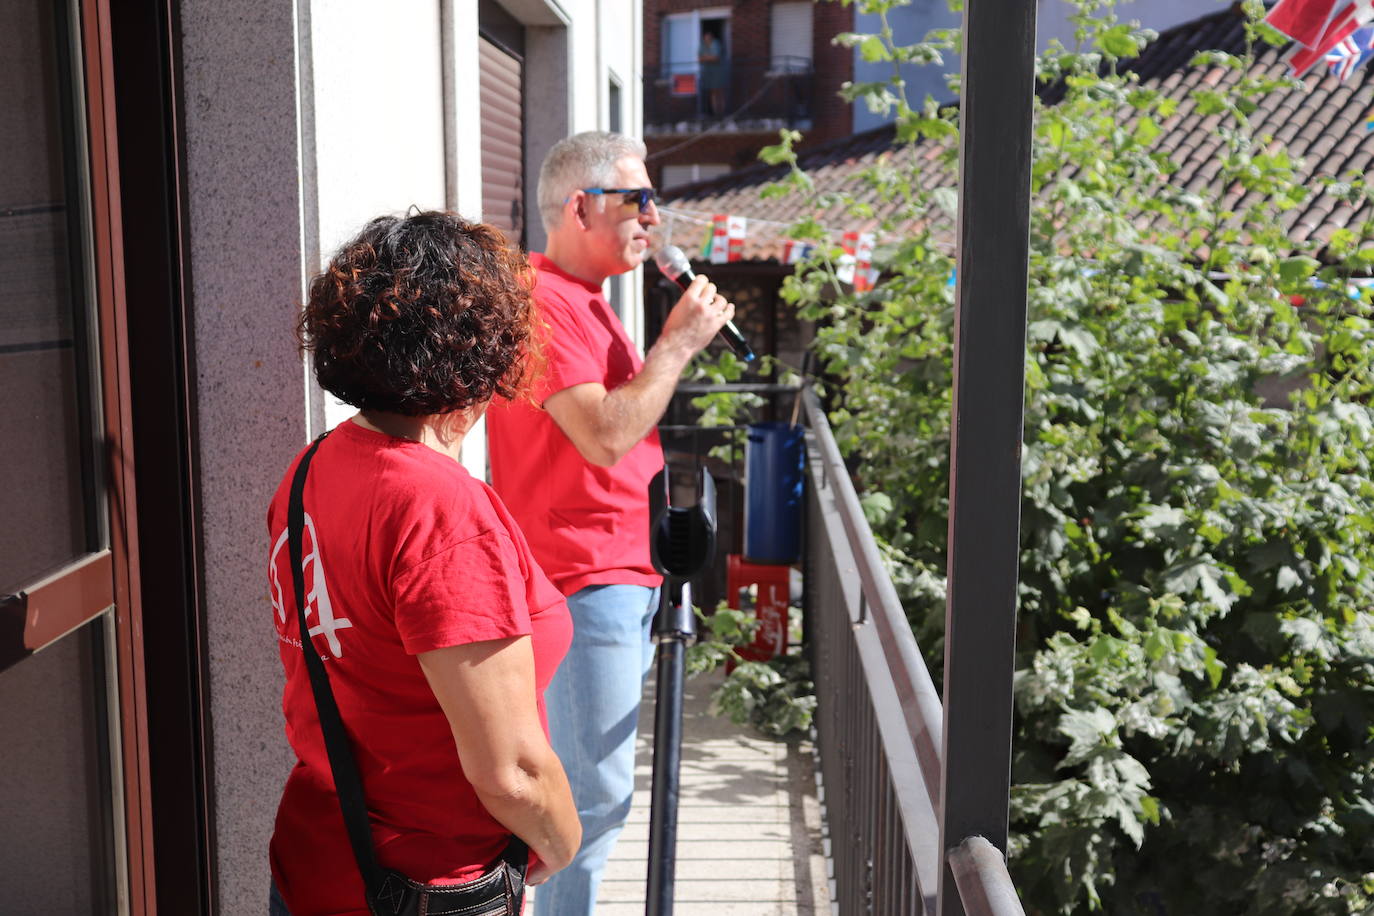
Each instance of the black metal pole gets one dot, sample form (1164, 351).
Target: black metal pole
(667, 765)
(989, 390)
(682, 542)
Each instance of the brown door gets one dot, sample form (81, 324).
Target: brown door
(64, 847)
(503, 140)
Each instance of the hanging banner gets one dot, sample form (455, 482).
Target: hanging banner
(720, 239)
(735, 233)
(864, 275)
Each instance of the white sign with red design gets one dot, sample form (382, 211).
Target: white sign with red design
(317, 603)
(864, 275)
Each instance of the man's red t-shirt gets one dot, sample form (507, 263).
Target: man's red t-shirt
(404, 552)
(587, 525)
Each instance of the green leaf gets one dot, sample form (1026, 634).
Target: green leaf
(872, 49)
(1212, 665)
(876, 507)
(1288, 579)
(1146, 131)
(1119, 42)
(1157, 644)
(1293, 271)
(1149, 808)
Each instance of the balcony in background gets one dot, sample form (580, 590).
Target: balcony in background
(759, 95)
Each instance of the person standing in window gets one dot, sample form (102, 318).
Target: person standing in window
(715, 72)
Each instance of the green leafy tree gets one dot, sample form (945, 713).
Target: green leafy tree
(775, 696)
(1195, 666)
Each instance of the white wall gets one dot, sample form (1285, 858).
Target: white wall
(303, 121)
(377, 106)
(378, 99)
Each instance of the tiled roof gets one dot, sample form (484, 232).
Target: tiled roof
(1322, 124)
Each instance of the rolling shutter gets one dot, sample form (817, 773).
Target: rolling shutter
(790, 37)
(503, 140)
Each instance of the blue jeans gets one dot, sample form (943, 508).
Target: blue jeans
(593, 707)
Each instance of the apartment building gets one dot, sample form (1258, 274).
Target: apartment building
(721, 81)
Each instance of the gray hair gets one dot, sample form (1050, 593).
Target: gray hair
(585, 160)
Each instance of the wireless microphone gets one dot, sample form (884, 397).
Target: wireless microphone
(673, 264)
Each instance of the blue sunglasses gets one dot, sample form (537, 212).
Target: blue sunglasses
(640, 197)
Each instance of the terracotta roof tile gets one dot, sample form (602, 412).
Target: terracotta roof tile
(1322, 125)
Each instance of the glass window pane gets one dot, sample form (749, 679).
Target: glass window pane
(55, 848)
(44, 500)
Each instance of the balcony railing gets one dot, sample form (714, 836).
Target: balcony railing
(879, 721)
(757, 95)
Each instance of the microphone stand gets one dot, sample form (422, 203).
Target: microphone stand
(682, 542)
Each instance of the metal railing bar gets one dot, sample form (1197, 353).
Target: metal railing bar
(865, 674)
(980, 873)
(735, 388)
(917, 811)
(697, 430)
(925, 715)
(880, 724)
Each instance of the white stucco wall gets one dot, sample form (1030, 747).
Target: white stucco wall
(378, 100)
(304, 120)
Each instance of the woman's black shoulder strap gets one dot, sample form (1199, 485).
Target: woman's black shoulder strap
(347, 784)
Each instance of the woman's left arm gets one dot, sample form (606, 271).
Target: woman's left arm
(487, 692)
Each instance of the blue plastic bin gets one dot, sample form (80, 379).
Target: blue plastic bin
(773, 457)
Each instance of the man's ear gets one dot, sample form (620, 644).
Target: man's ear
(577, 203)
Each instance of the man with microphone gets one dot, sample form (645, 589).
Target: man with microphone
(574, 468)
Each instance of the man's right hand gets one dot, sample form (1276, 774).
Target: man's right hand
(697, 317)
(604, 426)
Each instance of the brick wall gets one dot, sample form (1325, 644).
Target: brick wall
(834, 67)
(750, 25)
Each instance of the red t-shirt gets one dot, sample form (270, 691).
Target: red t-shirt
(587, 525)
(404, 552)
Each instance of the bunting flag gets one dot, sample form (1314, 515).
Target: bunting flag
(794, 252)
(720, 239)
(865, 277)
(1304, 21)
(1303, 56)
(726, 234)
(734, 233)
(844, 271)
(1351, 53)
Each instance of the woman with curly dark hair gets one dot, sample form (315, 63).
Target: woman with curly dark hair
(437, 630)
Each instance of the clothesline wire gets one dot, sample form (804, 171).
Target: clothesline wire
(696, 217)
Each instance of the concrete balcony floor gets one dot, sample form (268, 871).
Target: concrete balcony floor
(749, 831)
